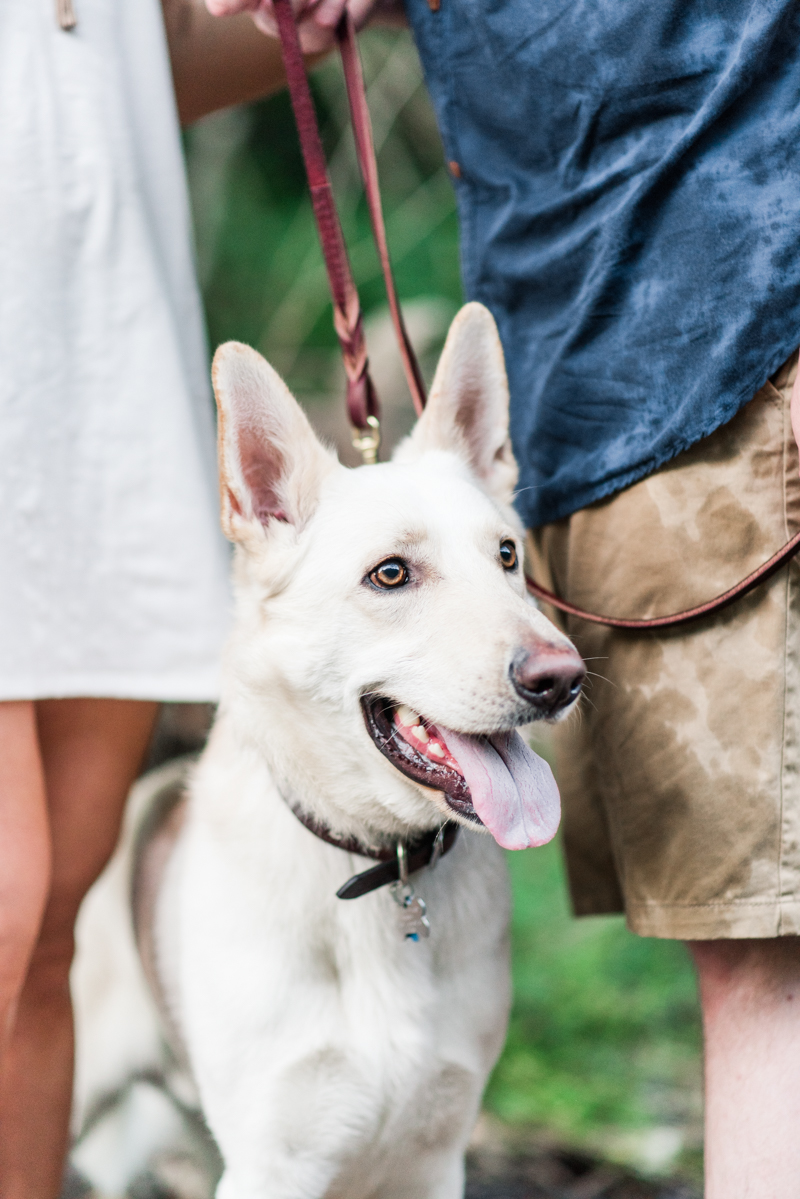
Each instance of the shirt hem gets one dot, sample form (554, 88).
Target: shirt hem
(586, 496)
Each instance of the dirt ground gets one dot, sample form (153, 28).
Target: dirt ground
(540, 1174)
(561, 1174)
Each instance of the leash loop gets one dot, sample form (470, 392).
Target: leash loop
(365, 153)
(362, 400)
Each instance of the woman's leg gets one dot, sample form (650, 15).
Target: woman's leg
(24, 852)
(90, 752)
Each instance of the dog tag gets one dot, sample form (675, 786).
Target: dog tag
(414, 923)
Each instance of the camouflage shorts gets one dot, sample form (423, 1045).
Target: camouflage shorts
(680, 774)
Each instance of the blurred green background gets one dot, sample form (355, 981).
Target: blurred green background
(603, 1049)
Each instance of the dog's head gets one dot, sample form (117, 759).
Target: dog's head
(385, 648)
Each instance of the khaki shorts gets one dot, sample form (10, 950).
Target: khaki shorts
(680, 774)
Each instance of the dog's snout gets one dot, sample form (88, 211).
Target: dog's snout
(548, 679)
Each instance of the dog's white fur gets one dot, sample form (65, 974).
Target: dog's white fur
(331, 1057)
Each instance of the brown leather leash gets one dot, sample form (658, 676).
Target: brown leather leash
(362, 401)
(760, 575)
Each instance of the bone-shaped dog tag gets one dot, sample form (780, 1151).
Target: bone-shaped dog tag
(413, 922)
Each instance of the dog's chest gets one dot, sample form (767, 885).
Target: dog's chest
(313, 1012)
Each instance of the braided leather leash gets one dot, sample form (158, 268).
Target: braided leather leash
(362, 402)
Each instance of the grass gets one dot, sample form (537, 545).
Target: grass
(604, 1035)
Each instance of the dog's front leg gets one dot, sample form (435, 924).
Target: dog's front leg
(287, 1134)
(280, 1072)
(241, 1184)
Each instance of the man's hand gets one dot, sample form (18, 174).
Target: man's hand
(316, 19)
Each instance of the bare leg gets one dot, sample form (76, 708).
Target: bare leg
(750, 992)
(24, 852)
(90, 752)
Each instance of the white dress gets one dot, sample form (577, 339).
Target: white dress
(113, 571)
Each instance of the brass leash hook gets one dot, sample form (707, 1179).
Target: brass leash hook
(367, 441)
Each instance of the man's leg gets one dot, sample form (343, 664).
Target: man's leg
(750, 993)
(90, 750)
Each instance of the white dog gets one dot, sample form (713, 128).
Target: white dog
(384, 652)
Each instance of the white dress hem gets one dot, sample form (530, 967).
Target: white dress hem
(202, 687)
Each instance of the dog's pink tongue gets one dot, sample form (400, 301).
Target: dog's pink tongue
(513, 789)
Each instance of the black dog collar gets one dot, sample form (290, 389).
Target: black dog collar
(420, 853)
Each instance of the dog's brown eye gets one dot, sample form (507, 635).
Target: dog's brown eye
(508, 554)
(391, 573)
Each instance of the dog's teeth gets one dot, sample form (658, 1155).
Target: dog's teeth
(420, 732)
(406, 716)
(435, 748)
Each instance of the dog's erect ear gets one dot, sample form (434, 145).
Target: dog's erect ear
(270, 461)
(467, 411)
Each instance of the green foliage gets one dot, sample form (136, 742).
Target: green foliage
(261, 267)
(604, 1029)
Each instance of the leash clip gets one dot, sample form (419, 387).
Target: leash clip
(367, 441)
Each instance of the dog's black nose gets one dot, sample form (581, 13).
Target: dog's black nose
(549, 678)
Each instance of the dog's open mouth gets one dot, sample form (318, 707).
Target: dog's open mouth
(494, 780)
(418, 750)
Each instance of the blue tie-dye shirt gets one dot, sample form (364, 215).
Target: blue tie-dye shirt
(629, 195)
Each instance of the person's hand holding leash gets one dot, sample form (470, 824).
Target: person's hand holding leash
(316, 19)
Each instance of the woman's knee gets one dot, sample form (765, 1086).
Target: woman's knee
(47, 976)
(25, 857)
(91, 750)
(19, 932)
(48, 972)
